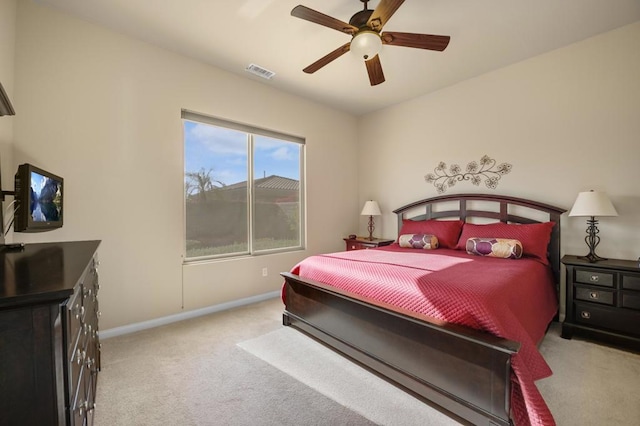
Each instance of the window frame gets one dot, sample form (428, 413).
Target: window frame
(251, 131)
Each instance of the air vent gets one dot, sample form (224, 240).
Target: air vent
(259, 71)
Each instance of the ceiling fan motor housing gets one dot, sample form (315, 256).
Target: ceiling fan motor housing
(361, 18)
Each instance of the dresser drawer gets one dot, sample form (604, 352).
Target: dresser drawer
(74, 312)
(616, 320)
(595, 294)
(587, 276)
(76, 364)
(78, 406)
(630, 281)
(631, 300)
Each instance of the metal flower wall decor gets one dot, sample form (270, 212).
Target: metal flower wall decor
(475, 172)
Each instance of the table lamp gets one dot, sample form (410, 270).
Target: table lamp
(371, 209)
(592, 204)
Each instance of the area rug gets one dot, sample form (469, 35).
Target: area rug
(343, 381)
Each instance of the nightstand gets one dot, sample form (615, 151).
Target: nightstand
(603, 300)
(359, 243)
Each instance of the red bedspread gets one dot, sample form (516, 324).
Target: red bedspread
(512, 299)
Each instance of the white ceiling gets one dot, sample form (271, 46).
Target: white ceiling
(231, 34)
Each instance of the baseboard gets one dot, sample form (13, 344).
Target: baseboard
(144, 325)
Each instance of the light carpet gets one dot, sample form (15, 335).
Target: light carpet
(192, 373)
(592, 384)
(345, 382)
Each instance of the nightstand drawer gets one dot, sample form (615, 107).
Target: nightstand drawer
(360, 243)
(631, 300)
(595, 295)
(586, 276)
(631, 281)
(617, 320)
(361, 246)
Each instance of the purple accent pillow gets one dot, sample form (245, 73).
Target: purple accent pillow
(534, 237)
(495, 247)
(418, 241)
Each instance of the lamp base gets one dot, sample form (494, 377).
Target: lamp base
(370, 228)
(592, 239)
(592, 258)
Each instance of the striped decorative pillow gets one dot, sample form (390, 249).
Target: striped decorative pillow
(418, 241)
(534, 237)
(495, 247)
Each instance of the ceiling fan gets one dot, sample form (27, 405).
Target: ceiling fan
(365, 28)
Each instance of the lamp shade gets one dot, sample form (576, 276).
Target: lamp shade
(371, 208)
(366, 44)
(593, 203)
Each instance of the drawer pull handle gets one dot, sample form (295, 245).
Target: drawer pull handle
(594, 278)
(594, 295)
(585, 314)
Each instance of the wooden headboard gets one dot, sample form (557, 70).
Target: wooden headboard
(493, 207)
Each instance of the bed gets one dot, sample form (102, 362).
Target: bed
(480, 368)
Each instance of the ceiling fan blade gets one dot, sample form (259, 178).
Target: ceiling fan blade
(327, 58)
(374, 68)
(311, 15)
(420, 41)
(382, 13)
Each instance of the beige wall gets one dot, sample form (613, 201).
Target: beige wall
(103, 111)
(7, 55)
(567, 121)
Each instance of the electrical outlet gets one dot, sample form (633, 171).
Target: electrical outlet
(265, 272)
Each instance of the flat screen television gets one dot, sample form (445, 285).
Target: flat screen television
(38, 197)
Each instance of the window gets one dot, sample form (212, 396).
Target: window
(243, 188)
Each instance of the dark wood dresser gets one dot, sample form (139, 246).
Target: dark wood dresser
(49, 344)
(603, 300)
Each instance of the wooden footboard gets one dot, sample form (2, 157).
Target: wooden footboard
(461, 370)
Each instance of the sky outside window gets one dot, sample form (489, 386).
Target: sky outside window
(224, 151)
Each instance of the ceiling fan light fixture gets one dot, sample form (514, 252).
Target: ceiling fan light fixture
(366, 44)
